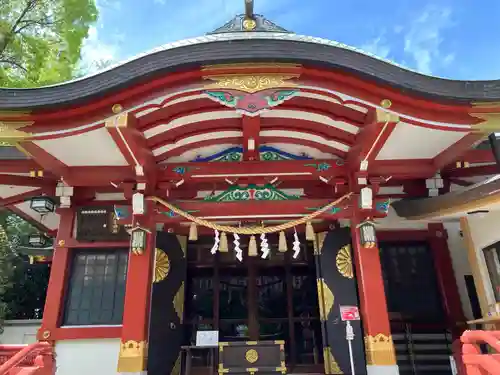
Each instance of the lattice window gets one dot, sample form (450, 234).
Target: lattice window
(96, 289)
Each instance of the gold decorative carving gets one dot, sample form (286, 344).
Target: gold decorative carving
(133, 356)
(251, 83)
(176, 370)
(251, 355)
(386, 103)
(380, 350)
(325, 299)
(162, 265)
(249, 24)
(343, 261)
(490, 123)
(116, 108)
(331, 365)
(384, 116)
(183, 242)
(319, 241)
(119, 120)
(179, 303)
(46, 334)
(10, 134)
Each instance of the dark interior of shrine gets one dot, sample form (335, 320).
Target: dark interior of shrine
(277, 299)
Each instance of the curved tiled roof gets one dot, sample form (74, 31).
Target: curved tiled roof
(249, 47)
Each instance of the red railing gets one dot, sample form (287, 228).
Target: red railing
(34, 359)
(474, 361)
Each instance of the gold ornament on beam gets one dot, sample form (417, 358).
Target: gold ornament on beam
(251, 83)
(490, 123)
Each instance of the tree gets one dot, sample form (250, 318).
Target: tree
(41, 40)
(13, 271)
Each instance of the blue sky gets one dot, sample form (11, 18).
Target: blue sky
(457, 39)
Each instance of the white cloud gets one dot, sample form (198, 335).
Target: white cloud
(378, 47)
(423, 39)
(96, 53)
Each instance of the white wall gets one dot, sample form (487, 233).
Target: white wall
(87, 357)
(17, 332)
(485, 231)
(461, 266)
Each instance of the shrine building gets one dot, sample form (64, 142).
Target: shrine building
(264, 192)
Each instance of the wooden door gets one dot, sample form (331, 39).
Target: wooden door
(336, 287)
(167, 306)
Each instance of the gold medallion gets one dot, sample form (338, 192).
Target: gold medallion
(252, 356)
(249, 24)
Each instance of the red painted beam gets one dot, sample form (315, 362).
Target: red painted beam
(403, 169)
(483, 170)
(257, 210)
(477, 156)
(251, 130)
(456, 151)
(207, 171)
(370, 140)
(18, 166)
(15, 180)
(45, 160)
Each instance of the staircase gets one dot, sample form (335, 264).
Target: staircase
(34, 359)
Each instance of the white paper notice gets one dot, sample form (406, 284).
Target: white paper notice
(207, 338)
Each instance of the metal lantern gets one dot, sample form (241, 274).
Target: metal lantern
(138, 237)
(367, 235)
(37, 240)
(42, 205)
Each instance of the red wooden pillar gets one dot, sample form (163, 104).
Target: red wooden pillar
(135, 330)
(379, 347)
(54, 302)
(438, 241)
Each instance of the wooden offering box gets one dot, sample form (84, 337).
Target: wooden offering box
(264, 357)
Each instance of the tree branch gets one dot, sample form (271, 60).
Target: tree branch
(15, 64)
(30, 4)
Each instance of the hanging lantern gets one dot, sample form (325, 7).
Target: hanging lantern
(138, 239)
(42, 205)
(367, 235)
(37, 240)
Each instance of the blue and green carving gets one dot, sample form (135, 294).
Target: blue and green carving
(267, 153)
(331, 211)
(171, 213)
(279, 97)
(251, 192)
(320, 167)
(251, 103)
(224, 97)
(183, 169)
(383, 206)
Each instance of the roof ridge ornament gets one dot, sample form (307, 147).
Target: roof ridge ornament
(249, 21)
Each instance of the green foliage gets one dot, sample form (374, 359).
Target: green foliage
(41, 40)
(12, 229)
